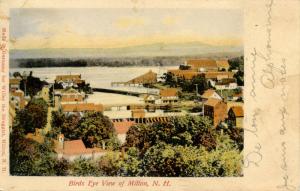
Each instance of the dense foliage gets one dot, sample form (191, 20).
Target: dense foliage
(33, 116)
(184, 146)
(93, 128)
(28, 157)
(197, 82)
(31, 85)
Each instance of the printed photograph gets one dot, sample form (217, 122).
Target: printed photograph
(154, 92)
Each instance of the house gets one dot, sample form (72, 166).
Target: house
(237, 96)
(223, 65)
(122, 128)
(218, 75)
(71, 150)
(151, 99)
(36, 136)
(226, 84)
(17, 99)
(236, 116)
(184, 74)
(80, 108)
(202, 65)
(169, 95)
(71, 95)
(216, 109)
(14, 84)
(69, 80)
(210, 93)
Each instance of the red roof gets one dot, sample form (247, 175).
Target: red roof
(123, 127)
(168, 92)
(208, 93)
(80, 107)
(76, 147)
(238, 111)
(199, 63)
(212, 102)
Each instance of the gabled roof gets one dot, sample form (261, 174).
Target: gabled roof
(201, 63)
(168, 92)
(186, 74)
(149, 77)
(67, 77)
(208, 93)
(14, 81)
(123, 126)
(212, 102)
(209, 75)
(75, 147)
(238, 111)
(222, 63)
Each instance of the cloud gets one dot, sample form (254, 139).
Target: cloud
(74, 40)
(170, 20)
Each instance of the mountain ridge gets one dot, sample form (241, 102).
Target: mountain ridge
(147, 50)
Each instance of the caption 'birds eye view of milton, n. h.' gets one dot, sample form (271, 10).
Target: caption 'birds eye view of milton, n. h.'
(124, 92)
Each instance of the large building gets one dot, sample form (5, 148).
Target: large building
(223, 65)
(69, 80)
(169, 95)
(215, 109)
(74, 149)
(202, 65)
(80, 108)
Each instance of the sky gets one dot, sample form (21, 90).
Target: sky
(113, 28)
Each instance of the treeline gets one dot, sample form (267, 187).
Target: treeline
(111, 62)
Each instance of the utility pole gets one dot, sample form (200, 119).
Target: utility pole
(197, 94)
(53, 95)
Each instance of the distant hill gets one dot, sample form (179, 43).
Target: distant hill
(151, 50)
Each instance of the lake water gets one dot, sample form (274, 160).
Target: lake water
(100, 77)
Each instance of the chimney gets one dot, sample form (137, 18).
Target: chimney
(61, 141)
(103, 145)
(123, 153)
(36, 132)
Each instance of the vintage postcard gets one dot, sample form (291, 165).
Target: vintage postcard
(149, 95)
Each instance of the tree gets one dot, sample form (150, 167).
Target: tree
(184, 130)
(110, 164)
(132, 163)
(171, 161)
(170, 79)
(17, 74)
(29, 158)
(239, 78)
(94, 128)
(70, 127)
(62, 167)
(33, 116)
(33, 85)
(225, 160)
(84, 167)
(140, 136)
